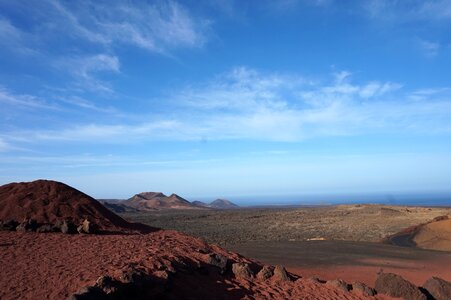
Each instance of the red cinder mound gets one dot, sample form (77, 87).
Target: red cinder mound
(159, 265)
(47, 201)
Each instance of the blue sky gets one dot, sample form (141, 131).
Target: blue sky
(225, 98)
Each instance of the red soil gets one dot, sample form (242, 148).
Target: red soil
(47, 201)
(366, 270)
(54, 265)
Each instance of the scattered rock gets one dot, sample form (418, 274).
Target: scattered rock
(45, 228)
(265, 273)
(89, 293)
(242, 270)
(338, 284)
(314, 279)
(395, 286)
(134, 276)
(27, 225)
(8, 225)
(87, 227)
(440, 218)
(66, 227)
(219, 261)
(107, 284)
(363, 289)
(280, 273)
(438, 288)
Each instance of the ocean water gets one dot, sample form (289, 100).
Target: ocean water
(414, 199)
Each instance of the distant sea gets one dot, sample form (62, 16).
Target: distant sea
(414, 199)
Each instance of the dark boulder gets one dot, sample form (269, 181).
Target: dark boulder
(89, 293)
(363, 289)
(27, 225)
(8, 225)
(46, 228)
(339, 284)
(107, 284)
(87, 227)
(134, 275)
(281, 274)
(438, 288)
(219, 261)
(66, 226)
(395, 286)
(243, 271)
(265, 273)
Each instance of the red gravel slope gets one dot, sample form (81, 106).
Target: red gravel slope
(47, 201)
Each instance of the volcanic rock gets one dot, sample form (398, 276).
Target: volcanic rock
(438, 288)
(219, 261)
(107, 284)
(135, 276)
(242, 270)
(281, 274)
(87, 227)
(395, 286)
(338, 284)
(8, 225)
(27, 225)
(66, 227)
(265, 273)
(89, 293)
(45, 228)
(363, 289)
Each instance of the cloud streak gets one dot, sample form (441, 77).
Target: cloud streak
(155, 27)
(245, 104)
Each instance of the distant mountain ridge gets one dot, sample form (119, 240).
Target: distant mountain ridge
(223, 203)
(155, 200)
(152, 201)
(218, 203)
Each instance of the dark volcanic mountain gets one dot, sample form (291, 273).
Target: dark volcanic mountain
(155, 201)
(222, 203)
(117, 206)
(199, 203)
(48, 201)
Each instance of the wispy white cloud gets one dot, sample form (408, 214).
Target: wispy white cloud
(4, 146)
(13, 38)
(157, 26)
(86, 104)
(86, 69)
(439, 9)
(245, 104)
(430, 49)
(24, 100)
(401, 11)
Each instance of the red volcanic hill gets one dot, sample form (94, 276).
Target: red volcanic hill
(155, 201)
(48, 201)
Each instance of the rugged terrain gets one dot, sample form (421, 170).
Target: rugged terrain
(368, 223)
(129, 264)
(345, 241)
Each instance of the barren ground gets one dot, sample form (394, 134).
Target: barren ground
(367, 223)
(330, 242)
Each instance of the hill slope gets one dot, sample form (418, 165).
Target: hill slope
(48, 201)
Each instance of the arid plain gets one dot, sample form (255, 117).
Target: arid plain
(343, 241)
